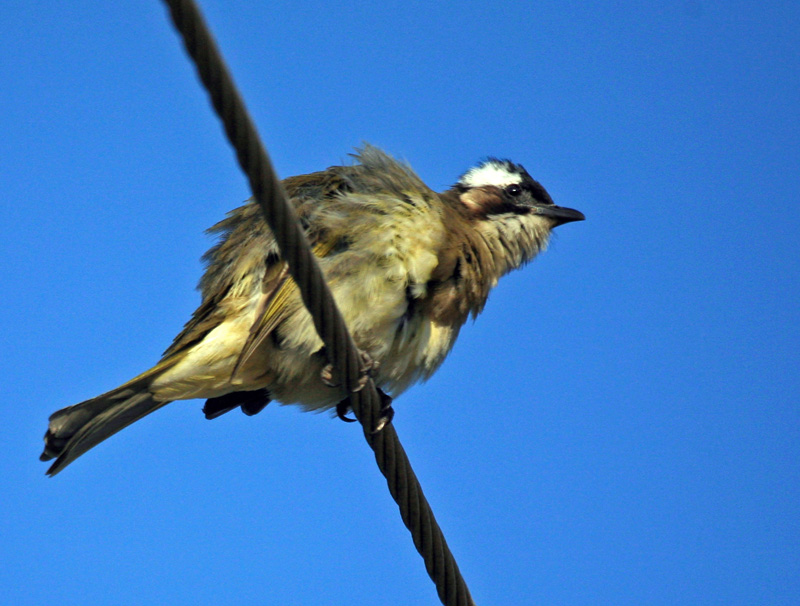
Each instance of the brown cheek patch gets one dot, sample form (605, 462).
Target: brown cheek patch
(481, 200)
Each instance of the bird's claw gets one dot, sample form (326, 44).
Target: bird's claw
(341, 411)
(326, 374)
(387, 412)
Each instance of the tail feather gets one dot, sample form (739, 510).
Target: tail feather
(76, 429)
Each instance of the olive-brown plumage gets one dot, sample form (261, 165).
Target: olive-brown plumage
(406, 265)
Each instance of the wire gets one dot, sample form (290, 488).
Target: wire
(340, 348)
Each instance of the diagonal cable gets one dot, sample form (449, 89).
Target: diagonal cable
(340, 348)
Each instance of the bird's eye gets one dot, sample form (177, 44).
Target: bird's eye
(513, 190)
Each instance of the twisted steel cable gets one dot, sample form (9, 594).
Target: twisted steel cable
(340, 348)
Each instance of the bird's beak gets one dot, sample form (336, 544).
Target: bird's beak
(559, 214)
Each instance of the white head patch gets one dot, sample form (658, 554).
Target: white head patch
(492, 172)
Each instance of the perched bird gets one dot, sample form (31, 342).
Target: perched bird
(406, 265)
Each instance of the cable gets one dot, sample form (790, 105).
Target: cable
(339, 346)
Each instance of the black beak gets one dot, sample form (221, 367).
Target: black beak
(559, 214)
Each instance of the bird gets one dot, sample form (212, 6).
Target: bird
(407, 267)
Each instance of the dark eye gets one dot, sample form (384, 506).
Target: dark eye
(513, 190)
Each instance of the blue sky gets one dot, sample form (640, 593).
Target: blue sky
(620, 426)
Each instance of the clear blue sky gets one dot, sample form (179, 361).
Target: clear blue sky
(620, 426)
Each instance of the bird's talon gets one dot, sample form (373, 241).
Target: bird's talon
(387, 412)
(386, 418)
(362, 381)
(341, 411)
(369, 366)
(326, 374)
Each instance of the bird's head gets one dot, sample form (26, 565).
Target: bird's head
(497, 187)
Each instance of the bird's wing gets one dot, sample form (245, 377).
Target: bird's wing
(228, 277)
(273, 308)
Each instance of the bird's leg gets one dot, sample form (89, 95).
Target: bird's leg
(387, 412)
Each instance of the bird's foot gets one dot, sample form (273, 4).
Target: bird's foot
(368, 368)
(387, 412)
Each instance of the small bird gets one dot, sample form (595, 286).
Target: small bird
(406, 265)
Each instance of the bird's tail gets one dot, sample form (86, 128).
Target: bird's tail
(75, 429)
